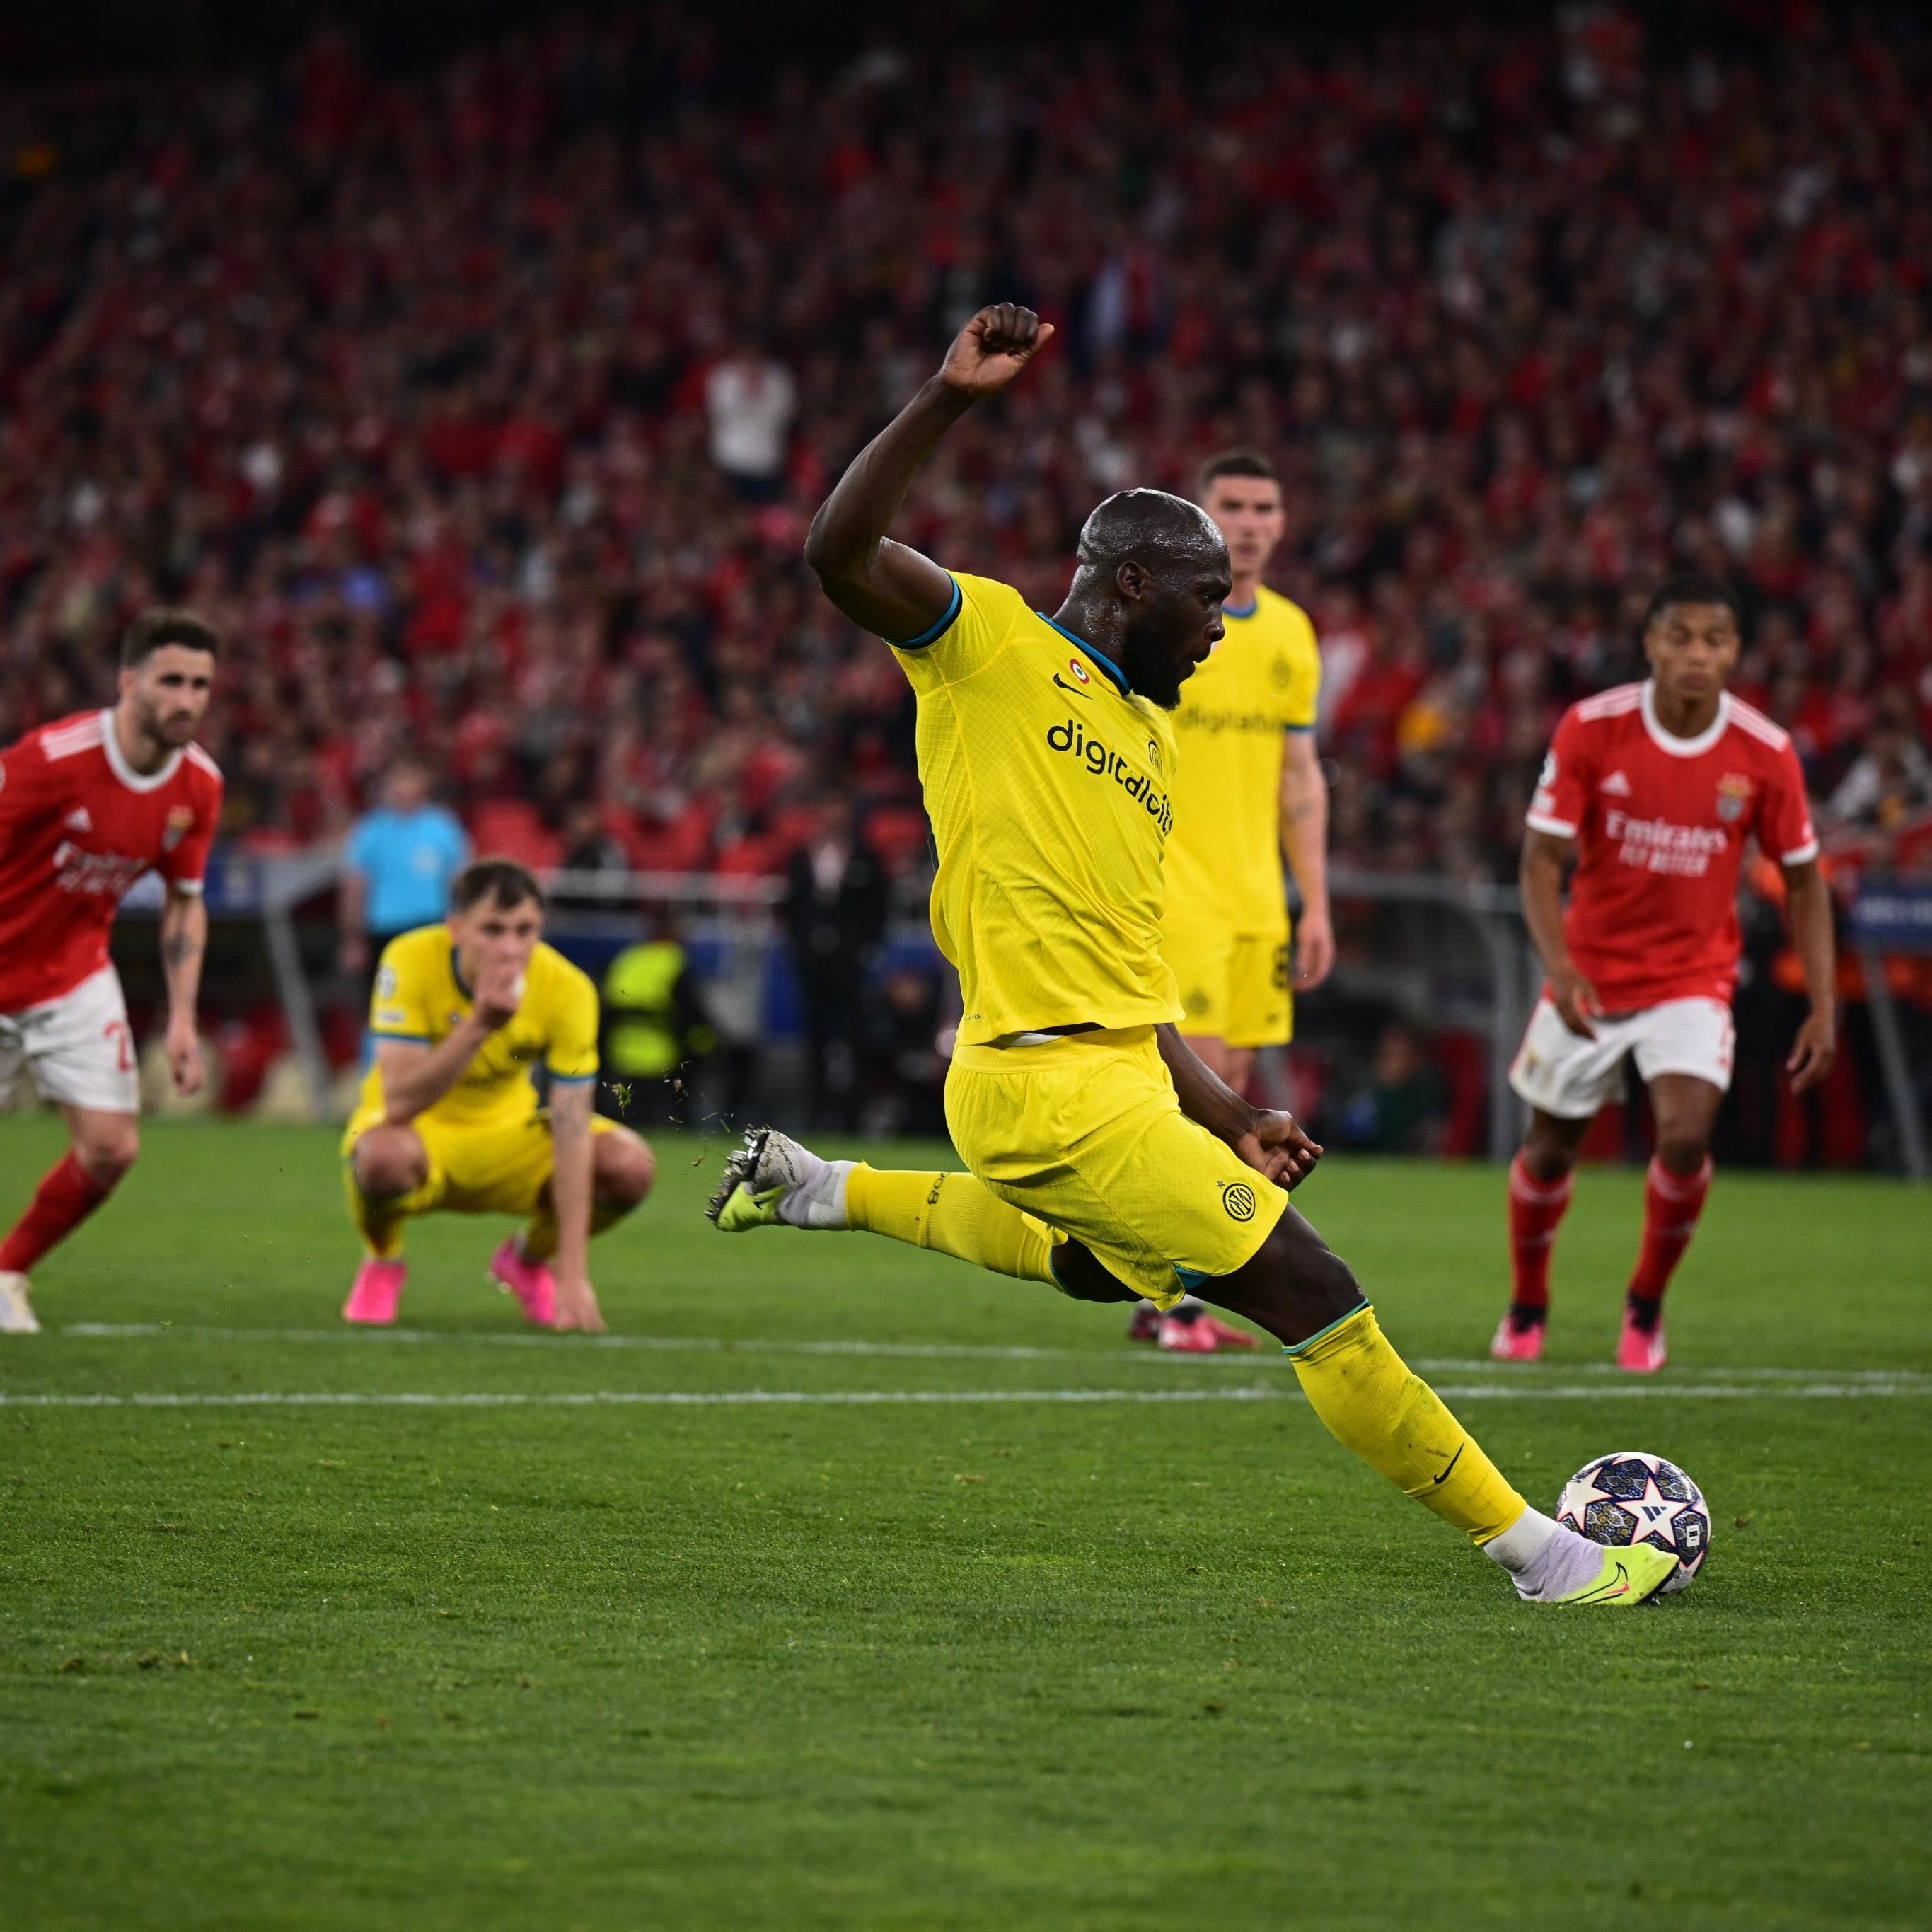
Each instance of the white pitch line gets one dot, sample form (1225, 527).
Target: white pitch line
(1903, 1380)
(814, 1398)
(707, 1344)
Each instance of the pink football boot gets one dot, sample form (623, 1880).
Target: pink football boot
(1203, 1335)
(1641, 1353)
(1513, 1344)
(379, 1287)
(530, 1282)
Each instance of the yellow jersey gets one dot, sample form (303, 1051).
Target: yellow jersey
(420, 996)
(1224, 858)
(1046, 781)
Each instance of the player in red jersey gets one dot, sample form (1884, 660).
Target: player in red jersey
(1654, 788)
(87, 805)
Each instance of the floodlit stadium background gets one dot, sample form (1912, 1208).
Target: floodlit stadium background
(480, 389)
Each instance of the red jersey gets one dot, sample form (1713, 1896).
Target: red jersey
(78, 827)
(1659, 824)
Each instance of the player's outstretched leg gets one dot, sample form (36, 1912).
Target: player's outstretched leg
(1294, 1287)
(1369, 1399)
(772, 1181)
(104, 1148)
(387, 1164)
(623, 1170)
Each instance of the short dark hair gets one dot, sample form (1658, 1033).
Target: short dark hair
(1236, 463)
(502, 880)
(1694, 586)
(163, 626)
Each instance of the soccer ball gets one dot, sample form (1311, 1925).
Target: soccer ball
(1631, 1497)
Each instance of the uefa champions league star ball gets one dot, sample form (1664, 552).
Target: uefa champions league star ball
(1631, 1497)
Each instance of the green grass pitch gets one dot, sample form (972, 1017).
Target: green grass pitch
(1015, 1645)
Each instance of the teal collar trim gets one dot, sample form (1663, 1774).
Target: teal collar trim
(1107, 664)
(1228, 611)
(456, 973)
(1296, 1348)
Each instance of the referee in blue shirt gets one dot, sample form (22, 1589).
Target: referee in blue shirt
(397, 869)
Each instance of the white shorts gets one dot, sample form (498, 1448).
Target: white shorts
(78, 1047)
(1571, 1077)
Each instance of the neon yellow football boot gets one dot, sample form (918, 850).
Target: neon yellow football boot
(745, 1198)
(1630, 1576)
(772, 1181)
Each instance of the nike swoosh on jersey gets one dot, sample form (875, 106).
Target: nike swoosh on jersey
(1074, 688)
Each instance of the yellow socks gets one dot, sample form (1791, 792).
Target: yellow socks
(1371, 1403)
(377, 1222)
(954, 1213)
(540, 1236)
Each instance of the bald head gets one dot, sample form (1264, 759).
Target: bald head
(1153, 569)
(1151, 527)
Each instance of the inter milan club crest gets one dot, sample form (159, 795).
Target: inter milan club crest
(1153, 755)
(180, 818)
(1733, 795)
(1281, 670)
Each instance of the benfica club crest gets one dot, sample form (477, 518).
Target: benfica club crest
(1733, 795)
(180, 818)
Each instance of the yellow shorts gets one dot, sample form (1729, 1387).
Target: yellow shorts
(1235, 986)
(496, 1167)
(1087, 1135)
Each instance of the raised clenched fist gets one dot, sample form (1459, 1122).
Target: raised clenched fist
(993, 348)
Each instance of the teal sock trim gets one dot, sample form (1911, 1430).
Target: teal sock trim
(1296, 1347)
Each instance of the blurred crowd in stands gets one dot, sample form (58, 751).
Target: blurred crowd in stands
(484, 408)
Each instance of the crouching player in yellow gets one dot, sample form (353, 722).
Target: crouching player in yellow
(1104, 1157)
(462, 1016)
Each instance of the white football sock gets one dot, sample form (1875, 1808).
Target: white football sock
(1545, 1560)
(816, 1199)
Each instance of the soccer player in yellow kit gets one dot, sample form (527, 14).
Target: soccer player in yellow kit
(462, 1015)
(1249, 788)
(1104, 1158)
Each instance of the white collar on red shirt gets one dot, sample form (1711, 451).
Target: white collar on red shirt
(1669, 741)
(117, 761)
